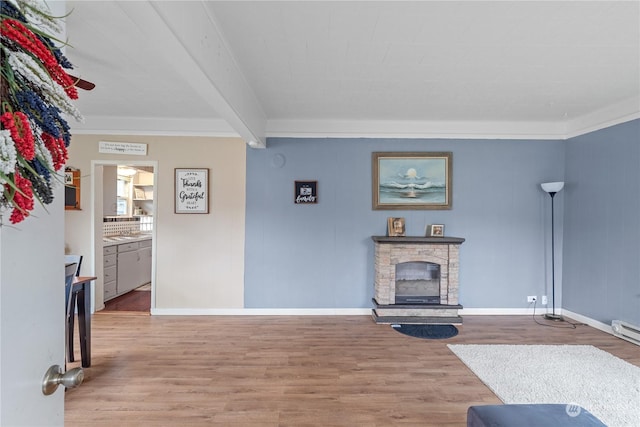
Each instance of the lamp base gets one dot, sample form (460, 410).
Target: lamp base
(554, 317)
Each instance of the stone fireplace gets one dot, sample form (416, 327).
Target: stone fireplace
(416, 280)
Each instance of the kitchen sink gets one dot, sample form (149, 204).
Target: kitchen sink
(123, 237)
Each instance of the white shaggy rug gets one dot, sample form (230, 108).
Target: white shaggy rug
(605, 385)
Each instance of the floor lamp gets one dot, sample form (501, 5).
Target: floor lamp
(552, 188)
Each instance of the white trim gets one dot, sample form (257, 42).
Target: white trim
(504, 311)
(96, 227)
(414, 129)
(261, 311)
(323, 311)
(622, 112)
(589, 321)
(156, 126)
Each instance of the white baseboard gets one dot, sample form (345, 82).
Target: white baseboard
(503, 311)
(261, 311)
(589, 321)
(324, 311)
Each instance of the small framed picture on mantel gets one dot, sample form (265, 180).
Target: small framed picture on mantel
(435, 230)
(395, 227)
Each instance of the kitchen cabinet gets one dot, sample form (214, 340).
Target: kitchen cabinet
(127, 266)
(110, 260)
(145, 262)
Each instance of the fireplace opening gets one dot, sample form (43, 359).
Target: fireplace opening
(417, 283)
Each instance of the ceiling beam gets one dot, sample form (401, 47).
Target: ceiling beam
(191, 41)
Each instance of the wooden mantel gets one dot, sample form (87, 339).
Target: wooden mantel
(416, 239)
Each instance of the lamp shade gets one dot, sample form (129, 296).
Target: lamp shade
(552, 187)
(125, 171)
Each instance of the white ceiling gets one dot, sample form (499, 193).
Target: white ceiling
(501, 69)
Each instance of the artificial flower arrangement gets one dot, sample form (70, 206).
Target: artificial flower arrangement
(37, 93)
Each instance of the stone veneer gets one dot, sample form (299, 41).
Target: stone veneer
(389, 251)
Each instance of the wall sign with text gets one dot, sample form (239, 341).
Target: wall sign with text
(192, 190)
(306, 192)
(122, 148)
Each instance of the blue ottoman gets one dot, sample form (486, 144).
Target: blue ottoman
(536, 415)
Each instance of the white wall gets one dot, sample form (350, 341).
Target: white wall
(199, 257)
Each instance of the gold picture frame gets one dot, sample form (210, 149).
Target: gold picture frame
(411, 180)
(396, 227)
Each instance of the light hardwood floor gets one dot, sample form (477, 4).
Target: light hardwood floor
(292, 371)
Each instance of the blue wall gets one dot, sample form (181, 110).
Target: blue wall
(321, 256)
(602, 224)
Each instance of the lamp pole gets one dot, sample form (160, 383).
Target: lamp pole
(552, 188)
(553, 316)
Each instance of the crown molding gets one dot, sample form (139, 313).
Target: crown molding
(153, 126)
(415, 129)
(624, 111)
(621, 112)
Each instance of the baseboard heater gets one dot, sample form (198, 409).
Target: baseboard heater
(626, 331)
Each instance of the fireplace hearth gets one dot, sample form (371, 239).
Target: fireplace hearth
(416, 280)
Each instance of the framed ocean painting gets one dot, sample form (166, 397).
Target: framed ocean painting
(411, 180)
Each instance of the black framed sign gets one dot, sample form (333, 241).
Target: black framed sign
(192, 191)
(306, 192)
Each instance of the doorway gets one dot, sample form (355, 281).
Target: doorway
(124, 223)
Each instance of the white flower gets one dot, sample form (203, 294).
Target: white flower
(43, 153)
(53, 93)
(8, 155)
(38, 13)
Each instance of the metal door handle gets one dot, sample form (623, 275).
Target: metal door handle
(54, 377)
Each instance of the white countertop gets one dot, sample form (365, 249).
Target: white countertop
(127, 238)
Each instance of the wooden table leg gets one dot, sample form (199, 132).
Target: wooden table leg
(70, 325)
(84, 323)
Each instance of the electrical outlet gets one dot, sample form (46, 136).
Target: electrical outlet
(544, 300)
(531, 298)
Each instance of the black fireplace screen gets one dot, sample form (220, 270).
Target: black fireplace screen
(417, 283)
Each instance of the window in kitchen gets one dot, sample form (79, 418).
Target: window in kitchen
(124, 196)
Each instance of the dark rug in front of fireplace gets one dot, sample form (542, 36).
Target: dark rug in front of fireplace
(432, 332)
